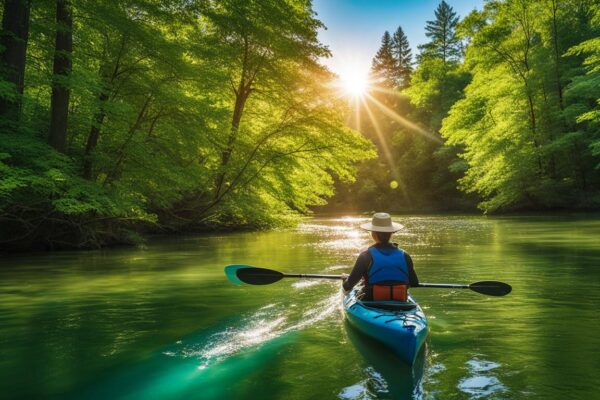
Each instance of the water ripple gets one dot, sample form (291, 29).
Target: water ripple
(373, 387)
(482, 383)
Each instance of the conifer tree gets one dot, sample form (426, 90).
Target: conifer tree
(403, 56)
(384, 65)
(444, 42)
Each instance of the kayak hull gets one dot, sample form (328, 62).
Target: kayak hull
(401, 326)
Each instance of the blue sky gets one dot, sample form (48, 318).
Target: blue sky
(355, 27)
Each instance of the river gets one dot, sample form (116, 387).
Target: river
(162, 322)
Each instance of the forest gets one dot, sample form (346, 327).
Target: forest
(122, 118)
(499, 112)
(125, 117)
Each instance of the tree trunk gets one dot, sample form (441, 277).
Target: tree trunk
(557, 54)
(62, 69)
(238, 110)
(92, 140)
(241, 96)
(13, 39)
(105, 94)
(132, 130)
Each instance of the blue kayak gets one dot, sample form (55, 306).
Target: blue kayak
(401, 326)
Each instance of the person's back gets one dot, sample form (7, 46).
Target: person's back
(386, 270)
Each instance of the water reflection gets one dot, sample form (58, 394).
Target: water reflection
(385, 376)
(481, 381)
(340, 237)
(375, 386)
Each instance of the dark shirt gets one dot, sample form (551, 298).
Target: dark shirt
(364, 260)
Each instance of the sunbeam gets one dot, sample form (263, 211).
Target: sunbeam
(407, 123)
(386, 151)
(357, 114)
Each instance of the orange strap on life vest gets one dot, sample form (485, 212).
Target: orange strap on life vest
(390, 292)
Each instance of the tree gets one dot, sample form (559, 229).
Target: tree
(59, 106)
(384, 65)
(402, 53)
(444, 43)
(13, 42)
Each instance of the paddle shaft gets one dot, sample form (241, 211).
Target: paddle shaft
(341, 277)
(444, 285)
(313, 276)
(432, 285)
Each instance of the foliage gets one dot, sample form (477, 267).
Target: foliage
(583, 92)
(519, 116)
(526, 144)
(183, 115)
(42, 196)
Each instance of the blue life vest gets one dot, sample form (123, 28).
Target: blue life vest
(388, 265)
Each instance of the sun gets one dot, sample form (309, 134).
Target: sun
(353, 80)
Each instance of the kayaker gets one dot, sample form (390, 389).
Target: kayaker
(385, 269)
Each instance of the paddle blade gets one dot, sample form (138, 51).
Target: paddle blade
(491, 288)
(239, 274)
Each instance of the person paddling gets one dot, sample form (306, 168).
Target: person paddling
(386, 270)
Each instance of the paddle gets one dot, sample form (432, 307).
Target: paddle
(491, 288)
(240, 274)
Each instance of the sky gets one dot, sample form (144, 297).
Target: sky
(355, 27)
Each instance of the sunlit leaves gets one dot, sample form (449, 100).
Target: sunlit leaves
(152, 95)
(524, 143)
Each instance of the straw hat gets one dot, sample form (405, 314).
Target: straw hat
(382, 222)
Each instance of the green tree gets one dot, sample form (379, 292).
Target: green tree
(443, 41)
(402, 116)
(402, 53)
(384, 65)
(436, 84)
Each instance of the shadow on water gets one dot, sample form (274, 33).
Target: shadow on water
(386, 376)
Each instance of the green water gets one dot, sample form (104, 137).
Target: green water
(162, 322)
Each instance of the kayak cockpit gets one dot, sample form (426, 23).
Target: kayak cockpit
(390, 305)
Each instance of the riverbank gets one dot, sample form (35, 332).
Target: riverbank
(133, 237)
